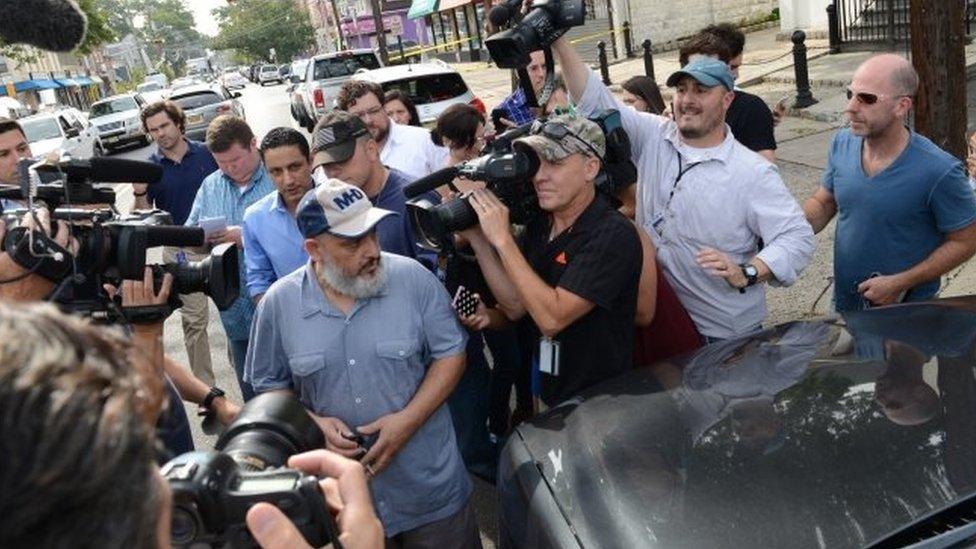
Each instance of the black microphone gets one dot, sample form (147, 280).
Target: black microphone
(55, 25)
(500, 14)
(107, 170)
(428, 183)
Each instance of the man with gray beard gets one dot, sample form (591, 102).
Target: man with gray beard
(369, 343)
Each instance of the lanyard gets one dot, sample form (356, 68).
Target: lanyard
(682, 170)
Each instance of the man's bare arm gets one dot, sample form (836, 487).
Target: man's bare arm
(819, 209)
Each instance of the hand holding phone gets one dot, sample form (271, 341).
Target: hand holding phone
(465, 302)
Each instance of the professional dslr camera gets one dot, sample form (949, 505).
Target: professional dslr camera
(212, 491)
(507, 171)
(545, 22)
(112, 247)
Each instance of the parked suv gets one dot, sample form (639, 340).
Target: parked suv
(269, 73)
(117, 120)
(325, 76)
(202, 103)
(65, 129)
(432, 87)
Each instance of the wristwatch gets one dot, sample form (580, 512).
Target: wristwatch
(751, 273)
(213, 393)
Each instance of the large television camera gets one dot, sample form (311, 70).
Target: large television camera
(507, 171)
(545, 22)
(212, 491)
(111, 247)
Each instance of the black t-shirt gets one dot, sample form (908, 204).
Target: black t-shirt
(598, 259)
(751, 122)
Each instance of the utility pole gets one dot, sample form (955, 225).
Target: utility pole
(938, 37)
(380, 32)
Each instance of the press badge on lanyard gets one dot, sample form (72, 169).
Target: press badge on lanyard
(658, 222)
(549, 356)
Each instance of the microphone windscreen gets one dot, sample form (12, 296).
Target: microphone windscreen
(499, 15)
(54, 25)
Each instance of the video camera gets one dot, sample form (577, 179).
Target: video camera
(507, 171)
(212, 491)
(545, 22)
(112, 247)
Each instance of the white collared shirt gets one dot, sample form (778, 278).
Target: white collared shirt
(410, 150)
(727, 201)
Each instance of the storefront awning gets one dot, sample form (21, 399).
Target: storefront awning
(451, 4)
(67, 82)
(84, 81)
(36, 84)
(97, 79)
(420, 8)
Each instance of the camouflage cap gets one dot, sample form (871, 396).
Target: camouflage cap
(563, 135)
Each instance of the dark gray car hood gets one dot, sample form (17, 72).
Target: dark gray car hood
(776, 440)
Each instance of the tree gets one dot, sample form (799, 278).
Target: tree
(99, 32)
(166, 23)
(254, 27)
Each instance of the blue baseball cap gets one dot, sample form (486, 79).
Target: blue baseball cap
(337, 208)
(708, 71)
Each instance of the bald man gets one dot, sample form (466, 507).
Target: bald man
(905, 210)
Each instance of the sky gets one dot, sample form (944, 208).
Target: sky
(201, 14)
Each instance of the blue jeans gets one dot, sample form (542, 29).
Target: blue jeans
(469, 413)
(238, 354)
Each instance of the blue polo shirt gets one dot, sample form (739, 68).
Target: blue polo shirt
(395, 233)
(894, 220)
(273, 243)
(365, 365)
(181, 180)
(219, 196)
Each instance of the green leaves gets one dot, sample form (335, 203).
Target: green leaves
(254, 27)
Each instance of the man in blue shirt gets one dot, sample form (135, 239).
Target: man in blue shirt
(271, 239)
(369, 343)
(185, 163)
(343, 148)
(221, 201)
(905, 209)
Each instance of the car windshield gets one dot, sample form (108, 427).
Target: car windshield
(429, 88)
(197, 100)
(298, 67)
(269, 68)
(122, 104)
(149, 86)
(344, 65)
(38, 129)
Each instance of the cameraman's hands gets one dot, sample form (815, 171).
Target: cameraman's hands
(142, 293)
(346, 495)
(232, 233)
(492, 217)
(334, 429)
(32, 287)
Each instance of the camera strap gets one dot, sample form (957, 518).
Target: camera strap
(47, 258)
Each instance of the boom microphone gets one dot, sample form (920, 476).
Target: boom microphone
(54, 25)
(426, 184)
(107, 170)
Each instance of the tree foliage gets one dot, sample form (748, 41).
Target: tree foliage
(254, 27)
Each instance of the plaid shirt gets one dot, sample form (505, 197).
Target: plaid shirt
(518, 111)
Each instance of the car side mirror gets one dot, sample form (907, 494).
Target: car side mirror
(71, 133)
(235, 95)
(296, 79)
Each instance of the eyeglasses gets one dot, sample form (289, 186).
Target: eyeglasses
(370, 113)
(559, 131)
(871, 98)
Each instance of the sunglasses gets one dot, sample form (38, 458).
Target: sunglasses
(558, 131)
(871, 98)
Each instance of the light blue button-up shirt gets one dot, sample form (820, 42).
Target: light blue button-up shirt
(365, 365)
(273, 243)
(219, 196)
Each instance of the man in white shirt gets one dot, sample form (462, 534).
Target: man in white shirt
(704, 198)
(406, 148)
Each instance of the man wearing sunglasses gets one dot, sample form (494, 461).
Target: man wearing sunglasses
(704, 198)
(905, 209)
(574, 270)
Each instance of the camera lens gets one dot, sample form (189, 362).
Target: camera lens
(270, 428)
(184, 527)
(216, 276)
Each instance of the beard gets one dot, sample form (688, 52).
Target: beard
(357, 286)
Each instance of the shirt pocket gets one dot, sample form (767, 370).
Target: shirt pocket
(308, 374)
(401, 368)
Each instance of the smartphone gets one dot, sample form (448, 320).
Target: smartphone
(465, 302)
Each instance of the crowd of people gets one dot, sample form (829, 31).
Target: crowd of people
(342, 307)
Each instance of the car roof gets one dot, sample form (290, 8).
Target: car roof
(342, 53)
(400, 72)
(114, 97)
(776, 439)
(194, 89)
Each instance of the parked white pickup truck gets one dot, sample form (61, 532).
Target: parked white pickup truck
(324, 77)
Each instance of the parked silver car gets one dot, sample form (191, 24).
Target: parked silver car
(118, 122)
(203, 103)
